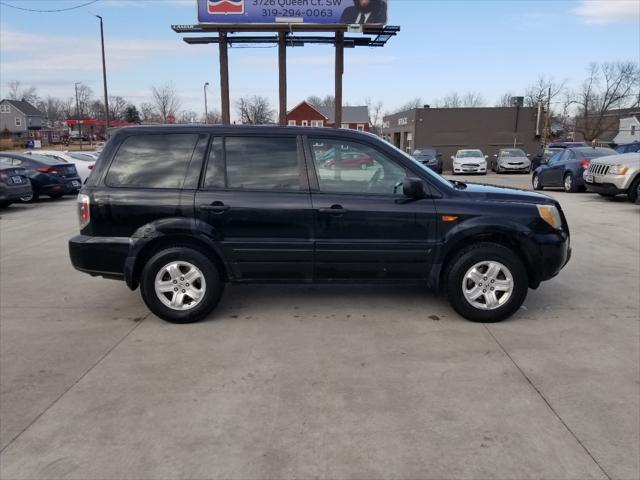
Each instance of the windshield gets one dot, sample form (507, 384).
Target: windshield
(512, 152)
(436, 178)
(469, 154)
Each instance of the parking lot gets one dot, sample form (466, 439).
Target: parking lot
(320, 381)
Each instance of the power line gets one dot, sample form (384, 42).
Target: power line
(47, 11)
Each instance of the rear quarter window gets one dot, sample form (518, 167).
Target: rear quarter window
(152, 161)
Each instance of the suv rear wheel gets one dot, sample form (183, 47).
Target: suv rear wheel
(486, 282)
(535, 181)
(180, 285)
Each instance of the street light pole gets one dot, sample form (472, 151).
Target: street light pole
(78, 114)
(104, 77)
(206, 110)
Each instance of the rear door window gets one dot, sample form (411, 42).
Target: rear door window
(152, 161)
(254, 163)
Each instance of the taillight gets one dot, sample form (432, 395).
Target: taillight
(46, 170)
(90, 167)
(84, 215)
(585, 163)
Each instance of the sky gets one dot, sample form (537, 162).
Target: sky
(490, 47)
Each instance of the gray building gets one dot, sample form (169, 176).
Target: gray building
(21, 120)
(451, 129)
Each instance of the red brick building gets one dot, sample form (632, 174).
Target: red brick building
(306, 115)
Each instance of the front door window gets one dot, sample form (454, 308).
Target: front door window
(344, 166)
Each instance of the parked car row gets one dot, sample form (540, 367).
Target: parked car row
(26, 176)
(596, 169)
(474, 161)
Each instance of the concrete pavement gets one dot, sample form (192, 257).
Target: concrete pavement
(320, 381)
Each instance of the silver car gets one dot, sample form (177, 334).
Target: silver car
(511, 160)
(615, 175)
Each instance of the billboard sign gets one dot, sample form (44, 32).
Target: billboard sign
(365, 12)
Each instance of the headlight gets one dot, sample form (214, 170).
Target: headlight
(550, 214)
(618, 170)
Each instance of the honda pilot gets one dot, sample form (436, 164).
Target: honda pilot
(180, 211)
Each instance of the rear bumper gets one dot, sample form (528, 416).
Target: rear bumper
(99, 256)
(13, 193)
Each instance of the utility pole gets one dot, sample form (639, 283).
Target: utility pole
(546, 120)
(104, 77)
(206, 110)
(78, 114)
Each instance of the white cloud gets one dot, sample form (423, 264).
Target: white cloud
(608, 11)
(28, 53)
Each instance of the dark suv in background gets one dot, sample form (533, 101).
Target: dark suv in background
(180, 211)
(429, 157)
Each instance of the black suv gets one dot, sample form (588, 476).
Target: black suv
(181, 210)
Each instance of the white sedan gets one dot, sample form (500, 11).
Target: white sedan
(469, 161)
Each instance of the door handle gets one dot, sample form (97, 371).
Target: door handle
(334, 209)
(215, 207)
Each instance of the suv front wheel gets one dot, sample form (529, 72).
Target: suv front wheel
(180, 285)
(486, 282)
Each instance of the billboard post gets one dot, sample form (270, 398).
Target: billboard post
(224, 79)
(282, 76)
(339, 72)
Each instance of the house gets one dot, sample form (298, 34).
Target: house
(605, 128)
(628, 130)
(306, 115)
(451, 129)
(21, 119)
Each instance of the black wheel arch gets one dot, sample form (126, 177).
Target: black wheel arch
(152, 238)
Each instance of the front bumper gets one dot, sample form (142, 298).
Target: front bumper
(514, 168)
(547, 254)
(608, 184)
(99, 256)
(469, 168)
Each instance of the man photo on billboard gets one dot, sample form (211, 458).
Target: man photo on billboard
(365, 11)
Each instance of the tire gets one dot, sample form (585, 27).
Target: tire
(569, 183)
(5, 204)
(634, 191)
(185, 260)
(511, 271)
(33, 198)
(535, 182)
(55, 195)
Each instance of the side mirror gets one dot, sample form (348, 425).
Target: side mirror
(413, 188)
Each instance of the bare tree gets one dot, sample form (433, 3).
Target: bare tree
(316, 101)
(188, 116)
(166, 100)
(84, 106)
(505, 100)
(472, 100)
(117, 107)
(213, 116)
(375, 114)
(538, 91)
(95, 109)
(609, 86)
(453, 100)
(18, 92)
(148, 113)
(53, 108)
(255, 110)
(410, 105)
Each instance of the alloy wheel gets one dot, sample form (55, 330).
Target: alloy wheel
(487, 285)
(180, 285)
